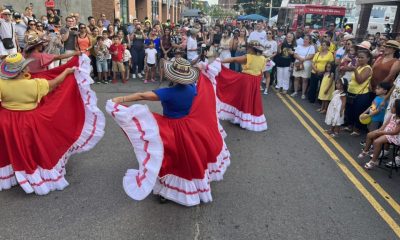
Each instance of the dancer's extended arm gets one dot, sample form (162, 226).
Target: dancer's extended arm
(240, 59)
(150, 96)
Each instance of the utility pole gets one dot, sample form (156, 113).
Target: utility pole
(270, 10)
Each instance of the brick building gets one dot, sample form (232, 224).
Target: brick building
(126, 10)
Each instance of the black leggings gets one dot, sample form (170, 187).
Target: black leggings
(356, 106)
(313, 87)
(137, 60)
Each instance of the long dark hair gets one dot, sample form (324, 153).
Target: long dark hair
(397, 107)
(29, 26)
(285, 42)
(366, 52)
(345, 84)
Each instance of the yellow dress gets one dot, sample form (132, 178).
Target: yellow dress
(326, 80)
(255, 64)
(355, 87)
(22, 94)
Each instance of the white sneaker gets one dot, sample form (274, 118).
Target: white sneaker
(277, 88)
(133, 75)
(261, 88)
(303, 96)
(140, 75)
(142, 72)
(266, 91)
(293, 94)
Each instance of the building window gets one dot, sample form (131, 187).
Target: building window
(124, 5)
(154, 10)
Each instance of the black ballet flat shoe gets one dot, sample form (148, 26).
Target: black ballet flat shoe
(163, 200)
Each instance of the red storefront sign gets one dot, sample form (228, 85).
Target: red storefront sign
(50, 4)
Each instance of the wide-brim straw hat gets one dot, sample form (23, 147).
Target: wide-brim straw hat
(12, 65)
(392, 44)
(256, 45)
(365, 44)
(348, 36)
(180, 71)
(32, 41)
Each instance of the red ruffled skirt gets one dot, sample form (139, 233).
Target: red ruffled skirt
(36, 144)
(239, 98)
(178, 158)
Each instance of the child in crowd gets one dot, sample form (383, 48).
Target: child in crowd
(335, 114)
(108, 43)
(102, 54)
(127, 60)
(327, 87)
(150, 60)
(387, 133)
(117, 54)
(348, 62)
(377, 109)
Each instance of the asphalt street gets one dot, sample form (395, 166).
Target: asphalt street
(281, 185)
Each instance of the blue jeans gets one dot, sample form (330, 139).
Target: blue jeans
(238, 66)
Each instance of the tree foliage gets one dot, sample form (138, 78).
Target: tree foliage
(217, 11)
(261, 7)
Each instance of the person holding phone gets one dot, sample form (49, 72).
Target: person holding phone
(68, 36)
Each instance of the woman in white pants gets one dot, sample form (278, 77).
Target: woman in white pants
(283, 60)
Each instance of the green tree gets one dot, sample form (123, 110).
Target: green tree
(261, 7)
(217, 11)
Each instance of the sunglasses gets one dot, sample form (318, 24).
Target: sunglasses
(39, 25)
(269, 33)
(82, 28)
(32, 24)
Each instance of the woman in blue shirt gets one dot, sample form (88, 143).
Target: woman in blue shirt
(181, 151)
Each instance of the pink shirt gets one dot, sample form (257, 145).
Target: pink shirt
(42, 61)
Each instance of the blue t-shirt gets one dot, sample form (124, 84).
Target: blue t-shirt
(376, 105)
(176, 101)
(156, 43)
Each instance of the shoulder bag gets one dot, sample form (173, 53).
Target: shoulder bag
(8, 43)
(300, 65)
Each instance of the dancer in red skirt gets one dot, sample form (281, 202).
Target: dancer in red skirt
(239, 93)
(44, 119)
(181, 151)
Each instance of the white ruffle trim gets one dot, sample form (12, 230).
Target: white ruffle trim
(245, 120)
(42, 181)
(192, 192)
(228, 112)
(142, 130)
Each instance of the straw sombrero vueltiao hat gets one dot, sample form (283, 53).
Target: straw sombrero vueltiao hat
(256, 44)
(12, 65)
(392, 44)
(32, 41)
(180, 71)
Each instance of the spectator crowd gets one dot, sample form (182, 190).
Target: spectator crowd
(349, 78)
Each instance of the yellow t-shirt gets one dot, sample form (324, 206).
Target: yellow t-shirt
(362, 88)
(22, 94)
(332, 48)
(320, 61)
(255, 64)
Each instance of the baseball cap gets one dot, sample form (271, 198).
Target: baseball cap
(17, 15)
